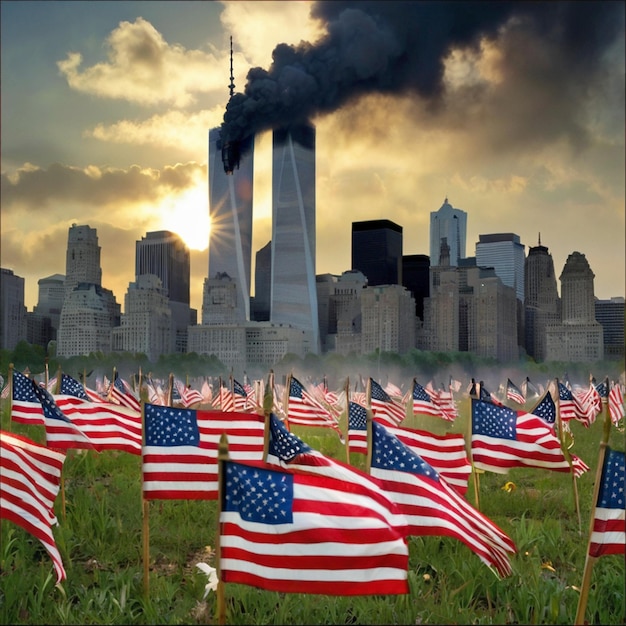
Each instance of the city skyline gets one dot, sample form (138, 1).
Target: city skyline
(94, 134)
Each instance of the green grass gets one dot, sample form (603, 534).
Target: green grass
(100, 537)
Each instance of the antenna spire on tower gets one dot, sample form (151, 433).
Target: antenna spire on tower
(232, 78)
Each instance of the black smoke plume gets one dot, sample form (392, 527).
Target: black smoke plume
(400, 47)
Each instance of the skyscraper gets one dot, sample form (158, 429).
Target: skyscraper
(377, 251)
(12, 309)
(450, 223)
(293, 290)
(230, 209)
(89, 310)
(415, 277)
(541, 299)
(82, 259)
(505, 253)
(165, 255)
(262, 283)
(579, 337)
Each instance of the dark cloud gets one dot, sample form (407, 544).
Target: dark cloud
(552, 57)
(38, 188)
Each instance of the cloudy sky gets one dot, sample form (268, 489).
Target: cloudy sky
(514, 112)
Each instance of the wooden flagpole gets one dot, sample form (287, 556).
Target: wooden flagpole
(347, 431)
(468, 447)
(567, 455)
(590, 560)
(222, 456)
(62, 477)
(268, 402)
(145, 515)
(10, 383)
(286, 399)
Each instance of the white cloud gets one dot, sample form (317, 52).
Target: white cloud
(145, 69)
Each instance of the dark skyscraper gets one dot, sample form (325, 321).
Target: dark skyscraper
(165, 255)
(377, 251)
(415, 277)
(263, 283)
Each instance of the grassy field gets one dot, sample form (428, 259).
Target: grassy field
(100, 537)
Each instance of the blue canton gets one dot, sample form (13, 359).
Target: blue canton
(295, 388)
(238, 389)
(389, 453)
(23, 388)
(611, 494)
(258, 495)
(419, 393)
(565, 393)
(602, 389)
(546, 409)
(357, 416)
(71, 387)
(166, 426)
(492, 420)
(377, 392)
(49, 406)
(283, 444)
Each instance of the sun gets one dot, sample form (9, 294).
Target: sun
(187, 215)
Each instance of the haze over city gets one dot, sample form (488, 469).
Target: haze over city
(516, 116)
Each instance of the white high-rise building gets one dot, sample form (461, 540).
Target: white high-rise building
(146, 323)
(89, 314)
(230, 210)
(293, 288)
(451, 224)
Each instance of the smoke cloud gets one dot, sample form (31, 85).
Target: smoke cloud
(400, 48)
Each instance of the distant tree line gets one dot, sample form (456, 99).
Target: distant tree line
(335, 368)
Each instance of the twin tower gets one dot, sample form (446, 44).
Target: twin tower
(292, 291)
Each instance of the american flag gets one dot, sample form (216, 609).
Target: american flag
(240, 396)
(108, 426)
(603, 389)
(546, 409)
(25, 406)
(446, 404)
(120, 392)
(61, 432)
(529, 389)
(226, 399)
(446, 453)
(590, 403)
(288, 450)
(431, 506)
(503, 438)
(188, 395)
(384, 408)
(30, 477)
(488, 396)
(357, 428)
(422, 402)
(305, 410)
(569, 407)
(180, 449)
(608, 534)
(293, 531)
(513, 392)
(616, 404)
